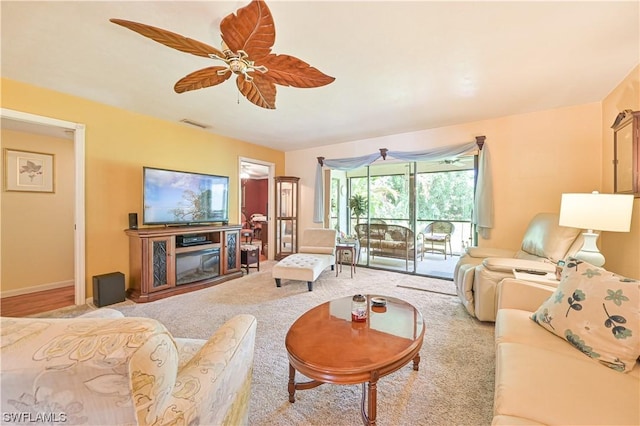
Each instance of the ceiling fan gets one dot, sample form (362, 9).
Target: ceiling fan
(451, 161)
(247, 39)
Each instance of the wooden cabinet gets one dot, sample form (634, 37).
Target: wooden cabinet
(286, 219)
(160, 266)
(172, 260)
(231, 254)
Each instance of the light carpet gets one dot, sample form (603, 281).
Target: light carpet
(453, 386)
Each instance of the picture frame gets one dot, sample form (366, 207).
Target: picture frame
(27, 171)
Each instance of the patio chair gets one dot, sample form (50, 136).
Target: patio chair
(436, 237)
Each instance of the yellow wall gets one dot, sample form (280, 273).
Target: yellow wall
(118, 144)
(535, 158)
(621, 250)
(37, 228)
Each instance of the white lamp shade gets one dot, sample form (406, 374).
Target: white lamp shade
(600, 212)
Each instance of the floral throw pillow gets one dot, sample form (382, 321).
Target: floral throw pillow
(597, 312)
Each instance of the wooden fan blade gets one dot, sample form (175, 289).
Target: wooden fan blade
(168, 38)
(290, 71)
(259, 91)
(200, 79)
(251, 30)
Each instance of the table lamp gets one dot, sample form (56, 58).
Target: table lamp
(599, 212)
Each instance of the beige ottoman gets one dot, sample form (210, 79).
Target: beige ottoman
(302, 267)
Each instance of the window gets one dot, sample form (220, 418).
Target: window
(445, 195)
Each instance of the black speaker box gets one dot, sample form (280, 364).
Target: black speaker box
(133, 220)
(108, 289)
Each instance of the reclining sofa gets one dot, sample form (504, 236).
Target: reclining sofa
(105, 369)
(479, 270)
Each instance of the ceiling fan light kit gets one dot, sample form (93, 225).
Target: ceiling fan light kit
(247, 39)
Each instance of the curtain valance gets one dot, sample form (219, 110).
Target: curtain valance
(435, 154)
(346, 164)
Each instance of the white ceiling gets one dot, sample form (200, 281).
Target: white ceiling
(254, 171)
(399, 66)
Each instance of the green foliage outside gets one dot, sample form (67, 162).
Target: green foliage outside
(358, 206)
(440, 196)
(445, 196)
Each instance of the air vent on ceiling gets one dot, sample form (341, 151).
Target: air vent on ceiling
(194, 123)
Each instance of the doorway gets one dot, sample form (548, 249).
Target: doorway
(256, 203)
(75, 132)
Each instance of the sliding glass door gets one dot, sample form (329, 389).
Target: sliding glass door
(397, 212)
(383, 214)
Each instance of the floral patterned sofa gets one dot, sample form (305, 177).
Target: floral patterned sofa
(105, 369)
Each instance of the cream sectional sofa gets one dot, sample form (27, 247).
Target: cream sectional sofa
(542, 379)
(105, 369)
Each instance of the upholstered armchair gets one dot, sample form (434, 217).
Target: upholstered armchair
(317, 252)
(479, 270)
(105, 369)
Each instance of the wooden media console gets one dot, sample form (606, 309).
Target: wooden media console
(164, 261)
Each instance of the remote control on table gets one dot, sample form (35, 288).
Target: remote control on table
(531, 271)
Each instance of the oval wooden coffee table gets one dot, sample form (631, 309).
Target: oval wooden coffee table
(327, 347)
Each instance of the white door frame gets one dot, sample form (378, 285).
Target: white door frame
(270, 199)
(79, 209)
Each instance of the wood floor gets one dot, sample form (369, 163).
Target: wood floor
(35, 303)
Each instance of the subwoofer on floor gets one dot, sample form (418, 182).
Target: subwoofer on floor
(108, 289)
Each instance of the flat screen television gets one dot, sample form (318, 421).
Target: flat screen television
(173, 197)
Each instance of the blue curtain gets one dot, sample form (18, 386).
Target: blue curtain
(483, 203)
(318, 196)
(346, 164)
(435, 154)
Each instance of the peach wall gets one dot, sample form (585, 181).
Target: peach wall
(621, 250)
(118, 144)
(37, 228)
(535, 158)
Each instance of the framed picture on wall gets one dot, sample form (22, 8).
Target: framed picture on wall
(28, 171)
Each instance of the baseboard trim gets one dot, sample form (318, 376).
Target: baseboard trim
(36, 288)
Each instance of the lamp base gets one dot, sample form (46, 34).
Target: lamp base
(589, 251)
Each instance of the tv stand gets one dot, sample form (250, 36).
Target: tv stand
(158, 265)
